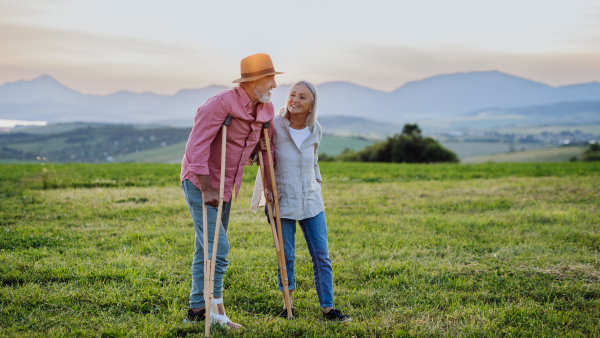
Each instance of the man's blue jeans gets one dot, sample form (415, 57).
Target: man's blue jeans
(193, 199)
(315, 234)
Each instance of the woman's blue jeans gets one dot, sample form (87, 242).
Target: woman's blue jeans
(315, 234)
(193, 199)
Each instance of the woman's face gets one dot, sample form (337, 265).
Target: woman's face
(299, 100)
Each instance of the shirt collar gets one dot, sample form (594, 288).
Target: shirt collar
(244, 97)
(286, 122)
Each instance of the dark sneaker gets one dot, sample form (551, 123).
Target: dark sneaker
(283, 313)
(195, 316)
(335, 314)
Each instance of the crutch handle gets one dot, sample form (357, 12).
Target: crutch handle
(266, 125)
(227, 121)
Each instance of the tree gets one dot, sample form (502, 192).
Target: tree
(407, 147)
(592, 154)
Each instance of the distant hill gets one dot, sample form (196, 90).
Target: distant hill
(442, 96)
(91, 143)
(564, 111)
(98, 143)
(456, 94)
(344, 126)
(437, 97)
(46, 99)
(358, 126)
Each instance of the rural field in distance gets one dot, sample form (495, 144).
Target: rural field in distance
(445, 250)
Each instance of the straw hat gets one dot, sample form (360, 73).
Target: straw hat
(256, 66)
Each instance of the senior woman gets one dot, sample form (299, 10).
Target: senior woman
(297, 137)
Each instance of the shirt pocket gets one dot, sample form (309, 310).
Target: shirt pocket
(285, 182)
(309, 180)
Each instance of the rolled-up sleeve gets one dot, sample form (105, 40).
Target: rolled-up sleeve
(207, 123)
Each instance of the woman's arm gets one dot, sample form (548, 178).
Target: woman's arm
(317, 170)
(316, 165)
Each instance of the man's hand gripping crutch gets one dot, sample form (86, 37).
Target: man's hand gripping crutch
(276, 230)
(209, 264)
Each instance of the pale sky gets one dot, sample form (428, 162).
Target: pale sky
(99, 47)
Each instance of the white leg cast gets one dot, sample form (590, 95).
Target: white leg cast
(215, 316)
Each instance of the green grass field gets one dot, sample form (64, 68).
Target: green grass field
(467, 150)
(169, 154)
(334, 145)
(536, 155)
(480, 250)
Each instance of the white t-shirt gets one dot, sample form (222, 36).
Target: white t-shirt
(299, 135)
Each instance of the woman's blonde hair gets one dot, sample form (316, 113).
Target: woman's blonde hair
(312, 116)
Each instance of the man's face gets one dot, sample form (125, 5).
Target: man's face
(263, 87)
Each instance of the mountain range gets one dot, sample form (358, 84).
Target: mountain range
(438, 97)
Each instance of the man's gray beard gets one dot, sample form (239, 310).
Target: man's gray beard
(264, 98)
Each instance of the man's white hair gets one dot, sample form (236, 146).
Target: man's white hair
(312, 116)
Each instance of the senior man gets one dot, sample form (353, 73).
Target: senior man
(249, 105)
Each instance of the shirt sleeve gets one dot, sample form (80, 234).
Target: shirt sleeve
(209, 119)
(317, 170)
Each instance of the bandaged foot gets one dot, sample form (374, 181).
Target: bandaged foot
(220, 317)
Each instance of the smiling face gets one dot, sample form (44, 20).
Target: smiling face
(263, 87)
(300, 100)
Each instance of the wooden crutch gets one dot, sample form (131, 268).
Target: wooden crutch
(277, 238)
(209, 264)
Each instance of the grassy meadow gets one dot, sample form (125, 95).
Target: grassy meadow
(559, 154)
(478, 250)
(466, 151)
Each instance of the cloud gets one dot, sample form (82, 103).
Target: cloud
(94, 63)
(15, 10)
(388, 67)
(101, 63)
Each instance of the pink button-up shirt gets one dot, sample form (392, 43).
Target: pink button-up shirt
(203, 148)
